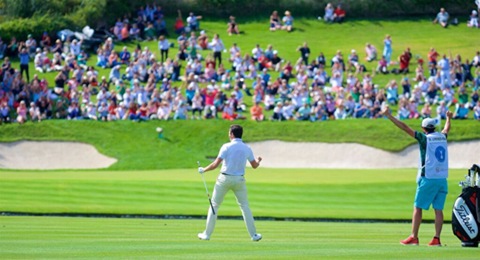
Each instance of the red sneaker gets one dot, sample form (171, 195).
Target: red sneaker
(435, 242)
(410, 241)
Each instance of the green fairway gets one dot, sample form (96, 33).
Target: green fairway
(49, 238)
(273, 193)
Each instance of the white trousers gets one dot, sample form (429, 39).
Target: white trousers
(222, 186)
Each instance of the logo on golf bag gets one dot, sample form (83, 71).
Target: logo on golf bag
(465, 217)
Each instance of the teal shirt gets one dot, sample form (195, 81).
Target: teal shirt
(422, 144)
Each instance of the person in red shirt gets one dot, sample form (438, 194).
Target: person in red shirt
(405, 62)
(432, 56)
(179, 26)
(339, 14)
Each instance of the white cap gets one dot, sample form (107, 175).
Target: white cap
(429, 122)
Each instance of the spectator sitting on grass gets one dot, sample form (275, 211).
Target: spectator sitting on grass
(442, 110)
(256, 112)
(461, 111)
(4, 113)
(125, 56)
(232, 27)
(329, 13)
(22, 112)
(31, 45)
(442, 18)
(339, 14)
(73, 111)
(473, 20)
(476, 111)
(426, 111)
(287, 22)
(405, 62)
(371, 52)
(275, 23)
(192, 22)
(474, 98)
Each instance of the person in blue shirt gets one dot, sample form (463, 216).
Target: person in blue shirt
(24, 61)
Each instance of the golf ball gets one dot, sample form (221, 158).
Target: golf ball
(159, 129)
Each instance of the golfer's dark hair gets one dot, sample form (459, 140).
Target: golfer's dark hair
(429, 130)
(236, 130)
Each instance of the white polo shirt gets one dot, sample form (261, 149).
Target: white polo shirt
(163, 45)
(235, 155)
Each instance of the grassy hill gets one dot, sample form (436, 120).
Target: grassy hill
(137, 146)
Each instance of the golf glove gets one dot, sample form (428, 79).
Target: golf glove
(201, 170)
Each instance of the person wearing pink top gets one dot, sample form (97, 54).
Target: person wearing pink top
(22, 112)
(209, 108)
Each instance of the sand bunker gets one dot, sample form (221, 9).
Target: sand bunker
(276, 154)
(51, 155)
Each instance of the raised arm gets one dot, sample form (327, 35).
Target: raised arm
(446, 128)
(256, 163)
(398, 123)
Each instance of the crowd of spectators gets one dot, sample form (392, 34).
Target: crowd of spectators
(188, 85)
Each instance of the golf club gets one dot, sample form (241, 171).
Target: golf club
(206, 189)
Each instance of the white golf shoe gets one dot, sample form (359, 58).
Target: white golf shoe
(203, 236)
(257, 237)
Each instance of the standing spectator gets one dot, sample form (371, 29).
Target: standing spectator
(387, 48)
(442, 18)
(432, 174)
(217, 47)
(304, 52)
(24, 61)
(232, 26)
(339, 14)
(432, 56)
(233, 156)
(444, 66)
(287, 21)
(163, 46)
(275, 23)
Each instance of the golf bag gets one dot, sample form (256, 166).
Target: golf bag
(466, 210)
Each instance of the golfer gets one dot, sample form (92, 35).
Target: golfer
(432, 174)
(233, 156)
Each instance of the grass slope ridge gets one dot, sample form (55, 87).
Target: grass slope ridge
(137, 146)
